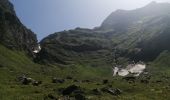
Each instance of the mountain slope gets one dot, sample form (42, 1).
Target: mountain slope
(79, 45)
(140, 34)
(127, 18)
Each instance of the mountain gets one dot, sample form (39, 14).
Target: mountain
(125, 35)
(19, 73)
(146, 29)
(126, 18)
(13, 34)
(79, 45)
(76, 64)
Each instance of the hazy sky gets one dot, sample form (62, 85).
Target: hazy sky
(48, 16)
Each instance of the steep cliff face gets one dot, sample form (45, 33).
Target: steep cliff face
(13, 34)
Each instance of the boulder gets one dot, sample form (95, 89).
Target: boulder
(86, 81)
(1, 65)
(158, 81)
(76, 80)
(36, 83)
(114, 91)
(96, 92)
(105, 81)
(25, 80)
(72, 89)
(55, 80)
(144, 81)
(51, 97)
(80, 97)
(69, 78)
(129, 78)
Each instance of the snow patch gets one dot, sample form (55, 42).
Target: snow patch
(38, 49)
(135, 69)
(123, 72)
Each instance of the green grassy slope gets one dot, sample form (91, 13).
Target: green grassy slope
(162, 64)
(14, 64)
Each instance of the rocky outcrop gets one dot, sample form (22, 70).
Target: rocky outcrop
(13, 34)
(75, 45)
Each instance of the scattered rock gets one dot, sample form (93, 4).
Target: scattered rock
(37, 92)
(55, 80)
(36, 83)
(51, 97)
(86, 81)
(25, 81)
(158, 81)
(72, 89)
(69, 78)
(76, 81)
(109, 85)
(96, 92)
(129, 78)
(114, 91)
(104, 89)
(98, 84)
(1, 65)
(144, 81)
(78, 91)
(60, 90)
(105, 81)
(80, 97)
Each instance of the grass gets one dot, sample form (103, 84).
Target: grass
(14, 64)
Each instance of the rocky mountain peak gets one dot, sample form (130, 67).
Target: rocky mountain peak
(121, 19)
(152, 3)
(6, 5)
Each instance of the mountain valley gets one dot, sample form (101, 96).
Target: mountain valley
(86, 64)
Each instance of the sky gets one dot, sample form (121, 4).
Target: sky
(45, 17)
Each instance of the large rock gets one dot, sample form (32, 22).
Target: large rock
(96, 92)
(25, 80)
(72, 89)
(57, 80)
(112, 91)
(80, 97)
